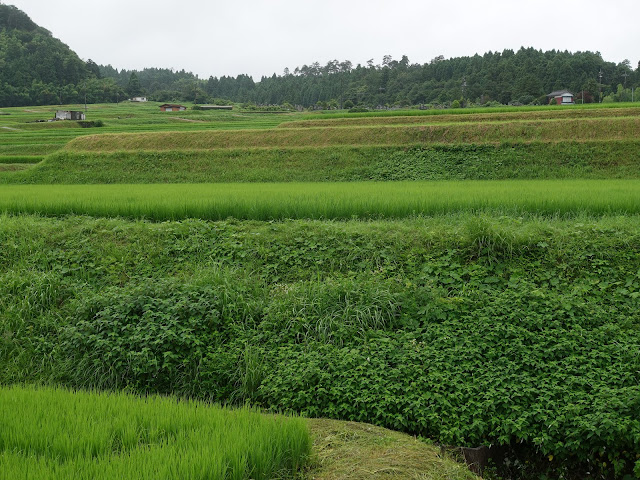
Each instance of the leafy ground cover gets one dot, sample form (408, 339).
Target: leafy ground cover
(327, 200)
(519, 332)
(52, 433)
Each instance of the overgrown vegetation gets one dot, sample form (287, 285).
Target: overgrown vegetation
(562, 160)
(472, 330)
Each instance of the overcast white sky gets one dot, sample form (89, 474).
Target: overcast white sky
(260, 37)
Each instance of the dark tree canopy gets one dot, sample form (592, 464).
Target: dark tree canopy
(38, 69)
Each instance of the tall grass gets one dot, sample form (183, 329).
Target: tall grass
(265, 201)
(529, 131)
(475, 115)
(55, 434)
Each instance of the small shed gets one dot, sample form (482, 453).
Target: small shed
(138, 99)
(170, 107)
(561, 97)
(69, 115)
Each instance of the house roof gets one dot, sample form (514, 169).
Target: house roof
(559, 93)
(172, 105)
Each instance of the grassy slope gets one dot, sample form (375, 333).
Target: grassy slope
(606, 159)
(357, 451)
(617, 128)
(370, 321)
(463, 116)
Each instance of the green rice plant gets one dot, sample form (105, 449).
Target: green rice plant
(268, 201)
(53, 433)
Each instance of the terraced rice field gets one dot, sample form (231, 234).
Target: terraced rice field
(470, 277)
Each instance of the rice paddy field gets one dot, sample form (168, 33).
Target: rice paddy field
(327, 200)
(469, 277)
(54, 434)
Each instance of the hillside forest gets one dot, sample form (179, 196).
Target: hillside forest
(38, 69)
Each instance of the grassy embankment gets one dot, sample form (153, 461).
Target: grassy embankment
(467, 329)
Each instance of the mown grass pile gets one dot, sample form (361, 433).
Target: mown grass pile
(519, 332)
(53, 434)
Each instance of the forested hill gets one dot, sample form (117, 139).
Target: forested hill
(38, 69)
(521, 77)
(524, 77)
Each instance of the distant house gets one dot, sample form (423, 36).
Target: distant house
(216, 107)
(561, 97)
(138, 99)
(170, 107)
(69, 115)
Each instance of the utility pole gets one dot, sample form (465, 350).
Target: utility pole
(85, 96)
(600, 86)
(625, 75)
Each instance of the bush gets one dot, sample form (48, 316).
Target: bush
(156, 335)
(91, 123)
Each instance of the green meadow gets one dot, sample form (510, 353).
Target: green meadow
(470, 277)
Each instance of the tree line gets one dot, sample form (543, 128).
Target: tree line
(524, 77)
(38, 69)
